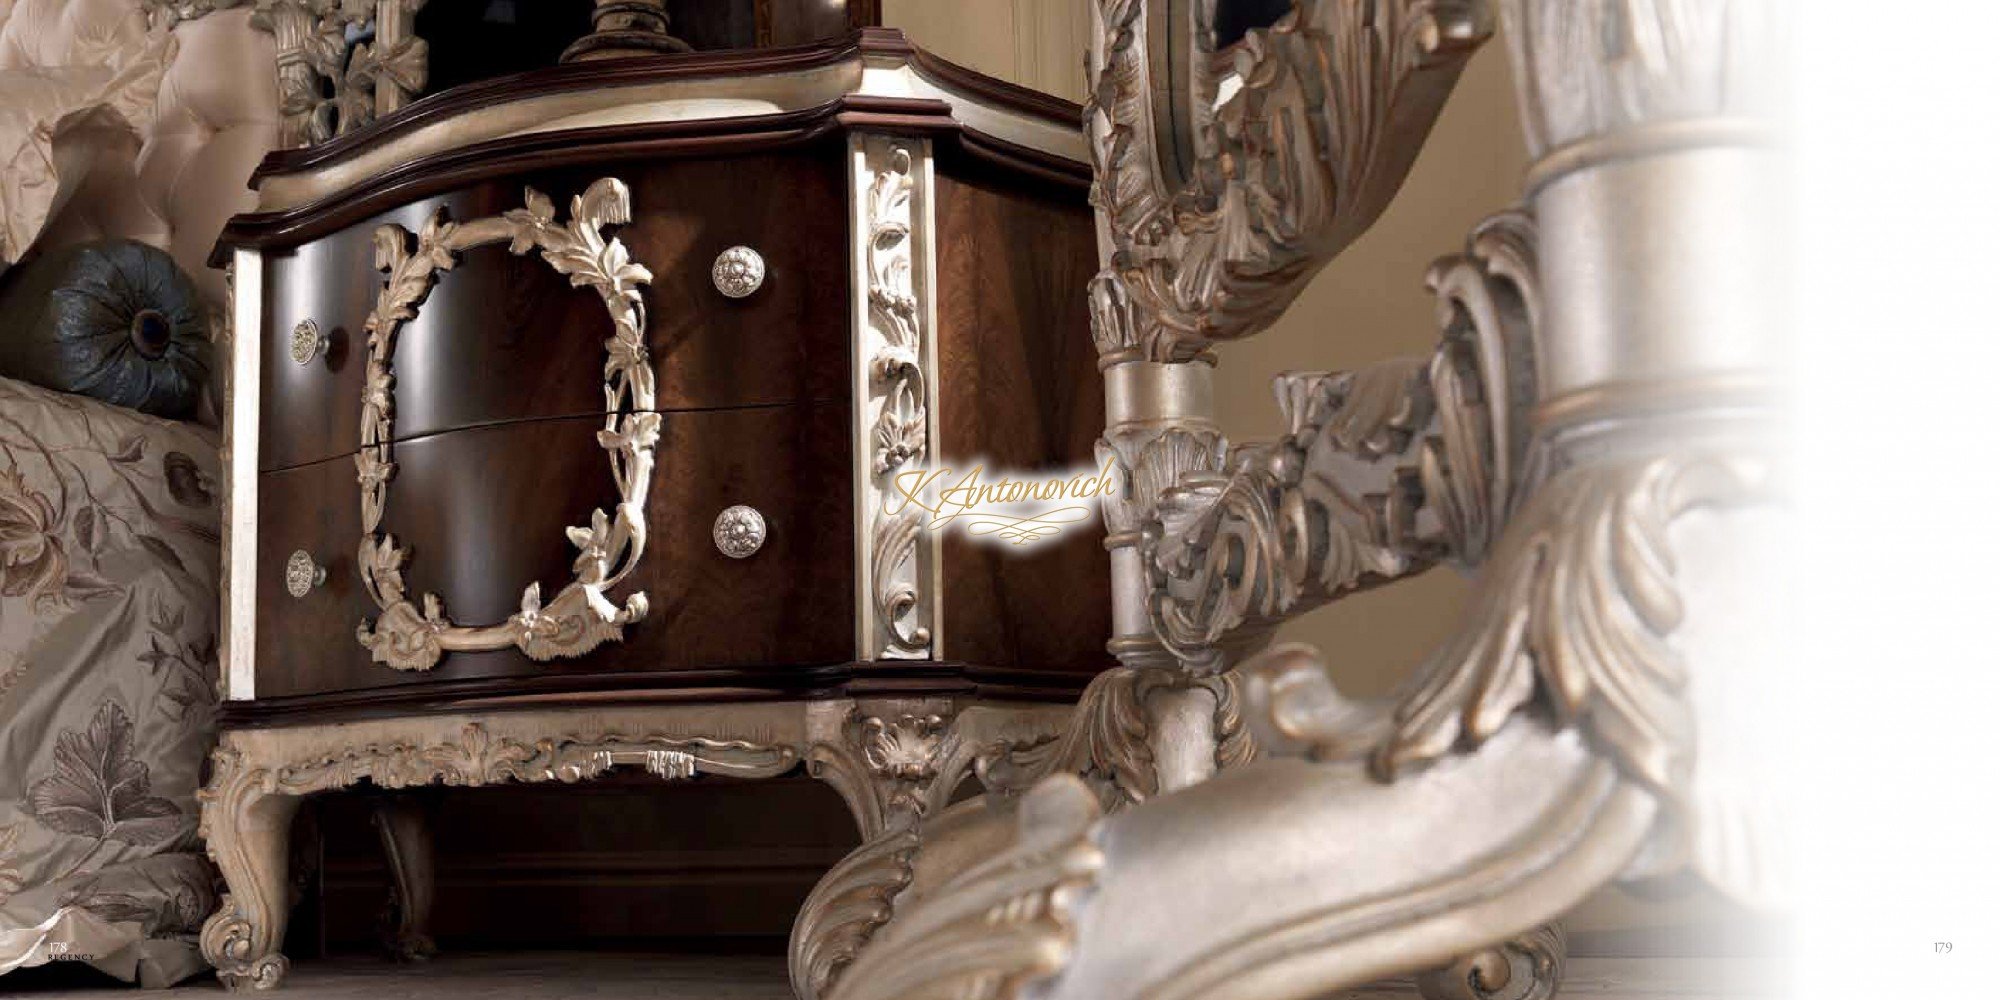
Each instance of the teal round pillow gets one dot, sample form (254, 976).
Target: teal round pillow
(115, 320)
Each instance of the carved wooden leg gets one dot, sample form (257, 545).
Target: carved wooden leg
(1528, 967)
(403, 821)
(896, 763)
(247, 821)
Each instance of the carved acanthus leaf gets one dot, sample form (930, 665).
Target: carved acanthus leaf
(895, 416)
(1331, 104)
(1572, 613)
(1382, 472)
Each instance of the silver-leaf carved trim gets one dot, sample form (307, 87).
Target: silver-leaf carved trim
(1329, 107)
(891, 179)
(409, 636)
(240, 938)
(1382, 471)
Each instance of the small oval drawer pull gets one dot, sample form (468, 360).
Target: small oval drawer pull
(738, 271)
(302, 574)
(307, 342)
(739, 532)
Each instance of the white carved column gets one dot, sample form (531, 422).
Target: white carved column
(894, 323)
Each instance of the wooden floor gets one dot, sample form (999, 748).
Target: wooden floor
(569, 976)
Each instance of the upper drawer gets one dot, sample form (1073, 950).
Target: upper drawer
(504, 338)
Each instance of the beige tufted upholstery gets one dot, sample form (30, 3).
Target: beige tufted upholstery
(214, 117)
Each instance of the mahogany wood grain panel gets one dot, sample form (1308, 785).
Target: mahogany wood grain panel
(505, 338)
(1019, 388)
(484, 509)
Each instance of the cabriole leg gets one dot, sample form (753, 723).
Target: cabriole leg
(247, 823)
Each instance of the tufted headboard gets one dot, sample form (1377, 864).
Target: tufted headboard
(214, 117)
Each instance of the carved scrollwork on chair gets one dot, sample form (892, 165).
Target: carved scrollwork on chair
(581, 616)
(896, 766)
(1382, 471)
(1297, 162)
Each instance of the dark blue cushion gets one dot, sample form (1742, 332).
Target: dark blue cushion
(115, 320)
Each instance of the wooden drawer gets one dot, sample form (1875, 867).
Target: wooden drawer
(505, 338)
(484, 509)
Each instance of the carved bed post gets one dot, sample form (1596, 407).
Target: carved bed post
(1594, 420)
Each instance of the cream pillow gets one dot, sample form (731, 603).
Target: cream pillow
(79, 79)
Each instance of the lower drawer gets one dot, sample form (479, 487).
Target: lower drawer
(483, 511)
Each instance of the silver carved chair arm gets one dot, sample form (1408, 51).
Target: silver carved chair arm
(1382, 472)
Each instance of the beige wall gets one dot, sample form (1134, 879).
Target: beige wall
(1369, 303)
(1035, 43)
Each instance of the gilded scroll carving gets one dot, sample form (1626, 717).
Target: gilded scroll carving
(1001, 925)
(409, 636)
(1290, 168)
(891, 178)
(250, 797)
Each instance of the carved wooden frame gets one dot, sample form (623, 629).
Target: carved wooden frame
(892, 760)
(581, 616)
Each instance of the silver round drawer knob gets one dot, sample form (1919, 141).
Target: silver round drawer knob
(302, 574)
(739, 532)
(738, 271)
(307, 342)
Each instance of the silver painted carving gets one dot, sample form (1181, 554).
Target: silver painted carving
(252, 793)
(412, 636)
(1001, 926)
(302, 574)
(1563, 712)
(307, 342)
(1528, 967)
(738, 271)
(896, 379)
(1382, 471)
(1295, 164)
(329, 85)
(897, 765)
(739, 531)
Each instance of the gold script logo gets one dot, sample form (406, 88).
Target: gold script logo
(1015, 509)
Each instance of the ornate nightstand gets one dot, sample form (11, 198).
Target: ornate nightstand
(564, 409)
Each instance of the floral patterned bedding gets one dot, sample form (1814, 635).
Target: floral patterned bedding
(109, 555)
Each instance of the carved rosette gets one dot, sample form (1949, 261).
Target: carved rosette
(409, 636)
(895, 374)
